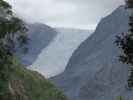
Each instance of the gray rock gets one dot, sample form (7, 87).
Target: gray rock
(94, 72)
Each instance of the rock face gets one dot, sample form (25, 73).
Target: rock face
(94, 72)
(40, 35)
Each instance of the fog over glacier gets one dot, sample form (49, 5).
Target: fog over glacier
(53, 59)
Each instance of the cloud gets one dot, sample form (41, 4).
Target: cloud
(65, 13)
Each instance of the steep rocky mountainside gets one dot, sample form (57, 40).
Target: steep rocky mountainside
(94, 72)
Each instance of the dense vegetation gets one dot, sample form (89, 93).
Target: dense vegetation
(125, 42)
(11, 29)
(28, 85)
(17, 82)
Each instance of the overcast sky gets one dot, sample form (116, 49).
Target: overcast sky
(83, 14)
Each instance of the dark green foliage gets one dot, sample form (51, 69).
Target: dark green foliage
(11, 30)
(129, 3)
(125, 43)
(4, 4)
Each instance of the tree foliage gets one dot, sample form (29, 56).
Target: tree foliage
(125, 43)
(12, 32)
(129, 3)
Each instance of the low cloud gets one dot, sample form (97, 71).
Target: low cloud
(65, 13)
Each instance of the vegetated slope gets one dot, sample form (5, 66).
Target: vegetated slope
(40, 36)
(28, 85)
(54, 58)
(94, 72)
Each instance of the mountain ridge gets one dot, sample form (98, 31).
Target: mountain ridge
(40, 36)
(94, 72)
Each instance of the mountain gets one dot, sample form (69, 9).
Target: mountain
(40, 36)
(94, 72)
(54, 58)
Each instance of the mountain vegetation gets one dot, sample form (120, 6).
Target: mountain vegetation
(29, 85)
(17, 82)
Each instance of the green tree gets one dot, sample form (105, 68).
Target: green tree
(129, 3)
(12, 32)
(125, 43)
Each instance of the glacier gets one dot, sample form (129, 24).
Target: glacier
(54, 58)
